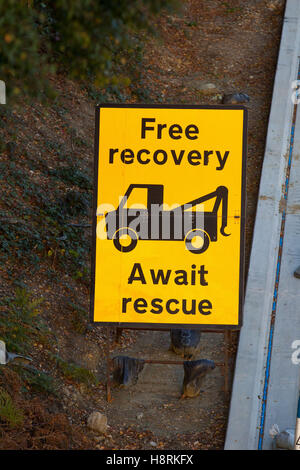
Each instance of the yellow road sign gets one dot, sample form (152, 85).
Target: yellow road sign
(169, 210)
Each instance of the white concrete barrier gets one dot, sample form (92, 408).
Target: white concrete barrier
(248, 409)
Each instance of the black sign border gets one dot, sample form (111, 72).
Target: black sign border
(158, 326)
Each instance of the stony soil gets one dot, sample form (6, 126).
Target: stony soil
(233, 45)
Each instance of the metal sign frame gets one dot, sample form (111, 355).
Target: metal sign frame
(242, 225)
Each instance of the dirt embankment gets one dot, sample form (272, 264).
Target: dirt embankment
(46, 161)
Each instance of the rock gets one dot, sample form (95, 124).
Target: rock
(206, 88)
(217, 97)
(97, 422)
(235, 98)
(152, 444)
(195, 82)
(285, 439)
(282, 440)
(275, 5)
(139, 416)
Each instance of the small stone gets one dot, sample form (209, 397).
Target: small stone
(207, 88)
(217, 97)
(97, 422)
(152, 444)
(139, 415)
(275, 5)
(297, 272)
(235, 98)
(196, 82)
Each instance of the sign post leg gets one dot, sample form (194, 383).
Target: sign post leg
(119, 332)
(108, 384)
(226, 352)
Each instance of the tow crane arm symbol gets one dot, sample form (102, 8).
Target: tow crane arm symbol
(221, 195)
(197, 236)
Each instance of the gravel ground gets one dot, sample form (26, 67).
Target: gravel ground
(232, 45)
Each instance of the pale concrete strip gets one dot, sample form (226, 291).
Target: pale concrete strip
(245, 408)
(284, 375)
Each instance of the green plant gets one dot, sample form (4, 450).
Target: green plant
(20, 324)
(86, 38)
(34, 221)
(37, 380)
(191, 23)
(21, 60)
(9, 412)
(74, 203)
(79, 317)
(75, 372)
(230, 8)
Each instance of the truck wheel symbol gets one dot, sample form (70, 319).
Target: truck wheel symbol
(125, 239)
(197, 241)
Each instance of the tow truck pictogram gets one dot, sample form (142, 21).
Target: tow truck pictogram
(197, 238)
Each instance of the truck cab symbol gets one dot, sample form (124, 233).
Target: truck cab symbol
(197, 236)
